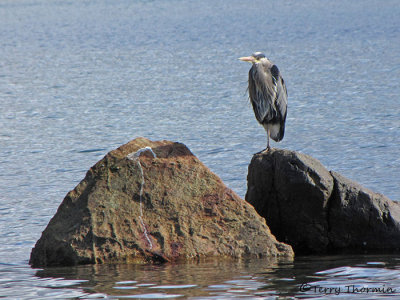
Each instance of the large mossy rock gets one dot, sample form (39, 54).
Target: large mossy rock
(317, 211)
(141, 208)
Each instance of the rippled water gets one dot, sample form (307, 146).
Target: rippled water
(79, 78)
(308, 277)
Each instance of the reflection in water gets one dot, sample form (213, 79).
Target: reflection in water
(216, 278)
(211, 277)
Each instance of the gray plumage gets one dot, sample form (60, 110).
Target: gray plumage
(268, 95)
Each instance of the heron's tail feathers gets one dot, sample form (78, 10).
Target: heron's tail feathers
(276, 131)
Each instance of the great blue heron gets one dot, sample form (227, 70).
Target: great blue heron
(268, 95)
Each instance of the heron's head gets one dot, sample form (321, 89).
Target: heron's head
(254, 58)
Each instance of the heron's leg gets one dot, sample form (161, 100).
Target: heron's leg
(268, 146)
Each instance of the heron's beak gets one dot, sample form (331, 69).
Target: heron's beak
(247, 58)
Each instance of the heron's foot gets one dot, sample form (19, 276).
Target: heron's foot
(265, 150)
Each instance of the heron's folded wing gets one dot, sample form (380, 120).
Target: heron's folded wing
(261, 99)
(281, 100)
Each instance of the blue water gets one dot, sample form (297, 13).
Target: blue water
(80, 78)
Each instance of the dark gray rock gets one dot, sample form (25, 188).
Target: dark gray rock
(362, 219)
(317, 211)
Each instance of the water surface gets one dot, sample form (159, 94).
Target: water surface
(308, 277)
(78, 79)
